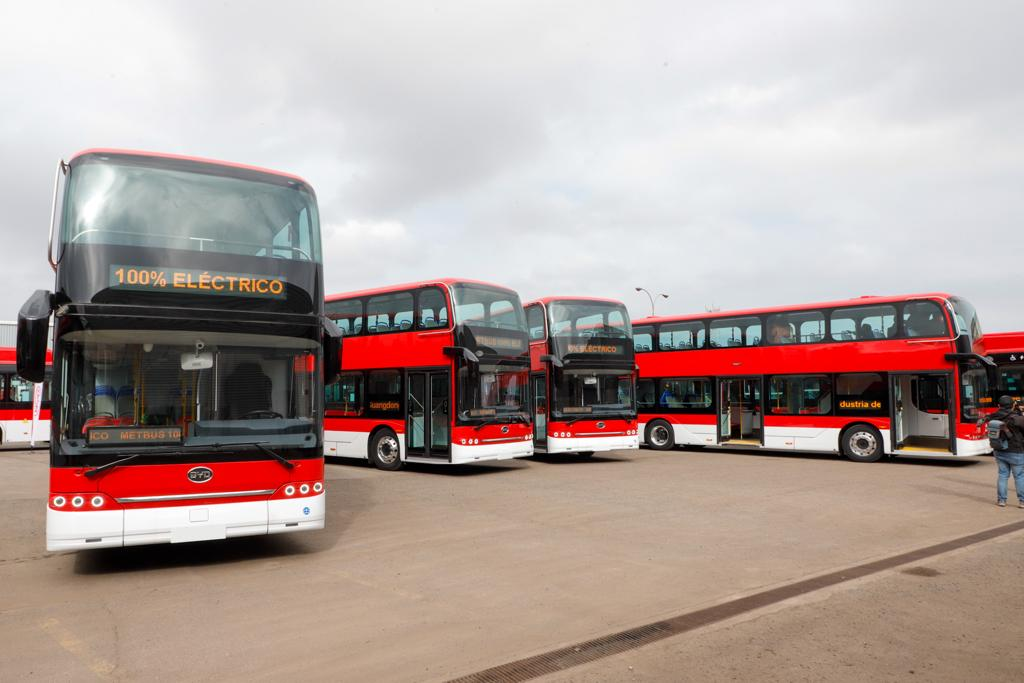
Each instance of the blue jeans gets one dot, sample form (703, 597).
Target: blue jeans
(1009, 461)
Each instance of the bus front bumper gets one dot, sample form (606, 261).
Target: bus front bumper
(518, 448)
(80, 530)
(597, 444)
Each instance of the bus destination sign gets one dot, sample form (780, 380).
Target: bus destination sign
(119, 436)
(609, 347)
(144, 279)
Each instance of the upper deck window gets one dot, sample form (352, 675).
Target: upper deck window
(431, 309)
(735, 332)
(389, 313)
(676, 336)
(966, 318)
(347, 315)
(170, 204)
(588, 319)
(860, 323)
(643, 338)
(535, 321)
(798, 327)
(482, 306)
(924, 319)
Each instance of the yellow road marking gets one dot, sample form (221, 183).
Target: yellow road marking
(100, 667)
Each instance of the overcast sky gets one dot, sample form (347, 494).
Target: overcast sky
(729, 153)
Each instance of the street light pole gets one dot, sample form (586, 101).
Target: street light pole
(650, 297)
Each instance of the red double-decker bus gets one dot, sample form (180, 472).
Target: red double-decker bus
(898, 375)
(19, 424)
(582, 375)
(1006, 349)
(432, 372)
(187, 333)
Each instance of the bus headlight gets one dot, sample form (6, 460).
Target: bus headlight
(59, 501)
(318, 487)
(289, 490)
(97, 501)
(304, 489)
(77, 501)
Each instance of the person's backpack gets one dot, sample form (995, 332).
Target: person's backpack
(998, 435)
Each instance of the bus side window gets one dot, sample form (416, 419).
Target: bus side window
(431, 310)
(346, 395)
(923, 319)
(535, 321)
(645, 397)
(389, 312)
(347, 314)
(643, 339)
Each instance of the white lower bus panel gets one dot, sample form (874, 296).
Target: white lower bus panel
(20, 432)
(813, 439)
(349, 444)
(519, 448)
(597, 444)
(74, 530)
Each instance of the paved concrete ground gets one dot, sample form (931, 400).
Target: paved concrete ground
(427, 574)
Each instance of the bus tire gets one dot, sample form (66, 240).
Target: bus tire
(862, 443)
(659, 436)
(385, 452)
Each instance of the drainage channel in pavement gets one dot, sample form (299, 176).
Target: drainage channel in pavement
(630, 639)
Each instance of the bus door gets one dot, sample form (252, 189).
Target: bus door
(922, 412)
(740, 411)
(428, 421)
(540, 410)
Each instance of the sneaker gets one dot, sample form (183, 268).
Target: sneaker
(1021, 505)
(1001, 503)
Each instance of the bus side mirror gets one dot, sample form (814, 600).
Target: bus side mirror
(33, 330)
(332, 351)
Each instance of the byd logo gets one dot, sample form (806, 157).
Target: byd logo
(200, 475)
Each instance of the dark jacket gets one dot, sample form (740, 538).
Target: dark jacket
(1015, 421)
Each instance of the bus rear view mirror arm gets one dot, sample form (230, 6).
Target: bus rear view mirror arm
(984, 360)
(33, 330)
(456, 351)
(554, 360)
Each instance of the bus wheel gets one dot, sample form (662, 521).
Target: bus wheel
(384, 451)
(862, 443)
(658, 435)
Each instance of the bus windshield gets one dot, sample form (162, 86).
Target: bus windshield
(114, 201)
(479, 306)
(491, 391)
(581, 393)
(588, 319)
(166, 387)
(966, 318)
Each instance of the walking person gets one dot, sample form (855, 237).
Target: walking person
(1006, 433)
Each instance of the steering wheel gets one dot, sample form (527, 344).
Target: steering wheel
(262, 414)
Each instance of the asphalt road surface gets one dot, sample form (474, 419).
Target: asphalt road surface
(437, 573)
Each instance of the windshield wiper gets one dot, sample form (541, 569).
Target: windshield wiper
(573, 420)
(183, 448)
(277, 456)
(511, 418)
(111, 465)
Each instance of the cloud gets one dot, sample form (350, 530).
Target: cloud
(734, 153)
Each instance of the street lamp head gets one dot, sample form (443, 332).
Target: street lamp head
(639, 289)
(664, 296)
